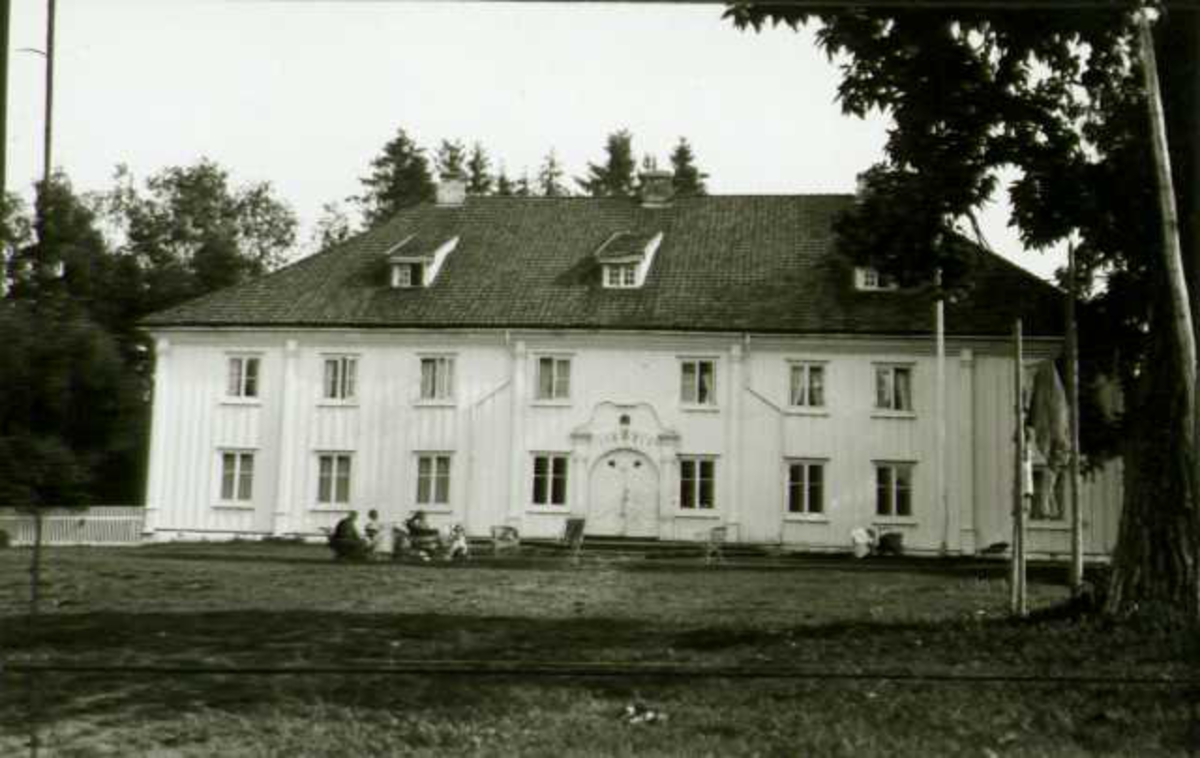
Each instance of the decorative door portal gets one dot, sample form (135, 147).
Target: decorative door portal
(624, 495)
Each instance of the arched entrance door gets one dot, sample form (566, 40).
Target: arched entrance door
(624, 496)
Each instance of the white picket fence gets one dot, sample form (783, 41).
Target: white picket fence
(96, 525)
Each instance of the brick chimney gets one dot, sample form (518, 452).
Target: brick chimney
(658, 187)
(452, 191)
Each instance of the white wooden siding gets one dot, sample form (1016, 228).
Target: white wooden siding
(494, 424)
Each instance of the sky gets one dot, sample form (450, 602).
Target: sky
(304, 93)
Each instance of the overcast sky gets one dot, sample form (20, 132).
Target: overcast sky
(304, 94)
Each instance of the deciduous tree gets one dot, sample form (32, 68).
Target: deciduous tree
(1058, 95)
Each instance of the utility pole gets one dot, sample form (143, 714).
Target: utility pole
(47, 165)
(5, 14)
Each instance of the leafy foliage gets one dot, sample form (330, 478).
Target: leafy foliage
(190, 232)
(1058, 96)
(333, 227)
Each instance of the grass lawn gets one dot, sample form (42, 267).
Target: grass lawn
(272, 605)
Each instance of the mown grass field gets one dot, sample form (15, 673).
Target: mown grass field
(264, 605)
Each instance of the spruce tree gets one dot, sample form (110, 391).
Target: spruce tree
(549, 180)
(504, 185)
(615, 178)
(399, 178)
(451, 159)
(479, 178)
(688, 179)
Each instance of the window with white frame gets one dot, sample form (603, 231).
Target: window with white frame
(807, 385)
(433, 479)
(242, 376)
(620, 275)
(698, 382)
(806, 487)
(237, 476)
(1049, 494)
(870, 279)
(333, 478)
(407, 275)
(893, 388)
(437, 378)
(550, 479)
(554, 378)
(341, 377)
(893, 489)
(697, 480)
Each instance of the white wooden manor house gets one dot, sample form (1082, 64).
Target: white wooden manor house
(660, 366)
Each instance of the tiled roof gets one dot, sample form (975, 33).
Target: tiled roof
(726, 263)
(624, 245)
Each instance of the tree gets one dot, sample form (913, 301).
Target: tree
(615, 177)
(399, 178)
(190, 232)
(479, 178)
(688, 180)
(549, 179)
(504, 186)
(1057, 95)
(522, 187)
(332, 227)
(451, 159)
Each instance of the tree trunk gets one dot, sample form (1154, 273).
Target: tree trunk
(1154, 563)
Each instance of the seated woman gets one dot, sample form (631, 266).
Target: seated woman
(423, 538)
(346, 542)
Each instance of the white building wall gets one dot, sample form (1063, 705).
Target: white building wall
(495, 377)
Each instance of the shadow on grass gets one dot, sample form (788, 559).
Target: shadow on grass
(302, 638)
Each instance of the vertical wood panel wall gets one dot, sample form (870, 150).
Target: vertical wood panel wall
(387, 426)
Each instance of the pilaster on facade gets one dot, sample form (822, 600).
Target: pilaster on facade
(282, 518)
(156, 484)
(517, 453)
(968, 501)
(733, 437)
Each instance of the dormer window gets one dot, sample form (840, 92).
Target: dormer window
(415, 262)
(408, 274)
(870, 279)
(620, 275)
(625, 259)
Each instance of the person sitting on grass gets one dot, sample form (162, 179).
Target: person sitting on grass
(373, 530)
(346, 542)
(424, 538)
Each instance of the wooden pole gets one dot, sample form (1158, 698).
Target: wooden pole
(5, 15)
(1017, 567)
(1076, 573)
(47, 164)
(940, 470)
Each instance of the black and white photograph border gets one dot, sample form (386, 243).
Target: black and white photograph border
(599, 378)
